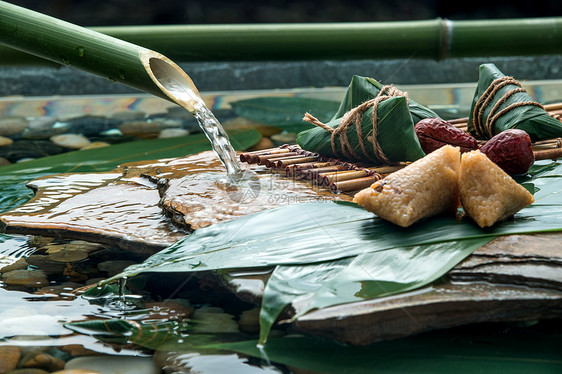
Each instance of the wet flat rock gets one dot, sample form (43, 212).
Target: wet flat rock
(100, 207)
(136, 205)
(195, 191)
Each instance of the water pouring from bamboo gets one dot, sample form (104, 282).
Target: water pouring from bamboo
(115, 59)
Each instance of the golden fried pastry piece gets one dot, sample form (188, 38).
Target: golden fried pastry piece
(487, 193)
(427, 187)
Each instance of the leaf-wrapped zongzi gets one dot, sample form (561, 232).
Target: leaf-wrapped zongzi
(500, 103)
(374, 123)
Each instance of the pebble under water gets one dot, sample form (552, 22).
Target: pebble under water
(40, 293)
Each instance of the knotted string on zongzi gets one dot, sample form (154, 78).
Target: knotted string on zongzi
(355, 116)
(486, 128)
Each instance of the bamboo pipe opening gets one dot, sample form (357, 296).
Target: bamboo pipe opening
(171, 80)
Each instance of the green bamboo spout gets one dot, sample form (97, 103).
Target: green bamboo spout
(94, 52)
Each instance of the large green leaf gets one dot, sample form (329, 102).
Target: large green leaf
(13, 178)
(363, 277)
(284, 112)
(288, 283)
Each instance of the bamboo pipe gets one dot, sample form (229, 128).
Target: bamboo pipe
(435, 39)
(94, 52)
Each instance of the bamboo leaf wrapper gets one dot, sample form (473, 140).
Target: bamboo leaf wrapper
(395, 126)
(525, 114)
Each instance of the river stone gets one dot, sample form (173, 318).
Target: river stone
(129, 115)
(140, 128)
(165, 122)
(4, 161)
(45, 264)
(43, 128)
(114, 267)
(115, 364)
(41, 360)
(90, 125)
(76, 371)
(12, 125)
(5, 141)
(29, 149)
(72, 141)
(173, 133)
(94, 145)
(26, 278)
(20, 264)
(9, 358)
(77, 350)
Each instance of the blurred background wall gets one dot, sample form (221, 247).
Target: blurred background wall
(215, 76)
(149, 12)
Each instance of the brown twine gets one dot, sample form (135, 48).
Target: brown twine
(485, 99)
(355, 116)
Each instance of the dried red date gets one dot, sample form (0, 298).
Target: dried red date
(510, 150)
(434, 133)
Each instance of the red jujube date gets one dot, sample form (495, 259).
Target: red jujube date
(510, 150)
(434, 133)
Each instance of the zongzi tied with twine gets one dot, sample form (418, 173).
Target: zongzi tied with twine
(374, 123)
(501, 103)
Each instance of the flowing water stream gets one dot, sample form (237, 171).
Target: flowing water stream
(179, 87)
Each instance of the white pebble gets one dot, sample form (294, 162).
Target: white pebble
(173, 133)
(73, 141)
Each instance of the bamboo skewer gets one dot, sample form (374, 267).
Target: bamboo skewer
(354, 184)
(548, 154)
(286, 162)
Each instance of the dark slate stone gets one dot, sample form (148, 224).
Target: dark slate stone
(90, 125)
(29, 149)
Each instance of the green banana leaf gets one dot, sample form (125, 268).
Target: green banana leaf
(13, 178)
(534, 120)
(397, 117)
(281, 290)
(363, 277)
(285, 112)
